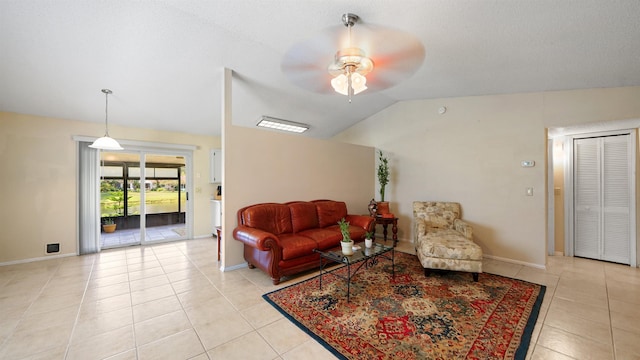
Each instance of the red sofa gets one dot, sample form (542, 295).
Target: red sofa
(280, 238)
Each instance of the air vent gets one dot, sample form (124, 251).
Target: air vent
(53, 248)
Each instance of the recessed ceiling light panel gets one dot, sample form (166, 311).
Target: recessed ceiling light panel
(282, 125)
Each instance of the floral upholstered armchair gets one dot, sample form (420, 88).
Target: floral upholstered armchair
(443, 241)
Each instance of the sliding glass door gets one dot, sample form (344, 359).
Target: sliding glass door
(138, 207)
(165, 197)
(120, 223)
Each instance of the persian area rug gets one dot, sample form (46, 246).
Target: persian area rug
(410, 316)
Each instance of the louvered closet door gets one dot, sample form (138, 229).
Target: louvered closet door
(616, 198)
(587, 198)
(602, 204)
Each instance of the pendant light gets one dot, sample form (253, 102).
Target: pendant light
(106, 142)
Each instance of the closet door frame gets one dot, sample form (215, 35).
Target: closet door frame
(569, 190)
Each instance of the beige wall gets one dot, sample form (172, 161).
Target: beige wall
(267, 166)
(38, 184)
(472, 154)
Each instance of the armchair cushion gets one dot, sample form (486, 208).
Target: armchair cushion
(449, 244)
(437, 215)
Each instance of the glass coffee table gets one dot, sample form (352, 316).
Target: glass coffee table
(366, 257)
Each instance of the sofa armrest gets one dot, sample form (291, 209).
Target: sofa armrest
(420, 227)
(464, 228)
(259, 239)
(363, 221)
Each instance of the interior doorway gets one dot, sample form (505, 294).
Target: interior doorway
(602, 174)
(599, 196)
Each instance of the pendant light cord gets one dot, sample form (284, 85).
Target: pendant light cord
(106, 111)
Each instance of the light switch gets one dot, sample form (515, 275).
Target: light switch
(529, 191)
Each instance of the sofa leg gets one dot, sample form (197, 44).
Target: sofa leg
(475, 277)
(251, 266)
(427, 272)
(275, 281)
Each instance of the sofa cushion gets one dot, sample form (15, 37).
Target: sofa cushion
(274, 218)
(294, 246)
(324, 238)
(330, 212)
(303, 216)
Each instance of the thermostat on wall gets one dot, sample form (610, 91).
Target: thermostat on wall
(528, 163)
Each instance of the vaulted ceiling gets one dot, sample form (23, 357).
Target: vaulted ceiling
(163, 60)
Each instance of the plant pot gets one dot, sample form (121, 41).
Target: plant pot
(368, 243)
(347, 247)
(109, 228)
(383, 207)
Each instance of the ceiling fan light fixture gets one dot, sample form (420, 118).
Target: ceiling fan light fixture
(341, 83)
(106, 142)
(350, 65)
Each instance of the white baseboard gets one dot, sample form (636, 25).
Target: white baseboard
(203, 236)
(234, 267)
(518, 262)
(48, 257)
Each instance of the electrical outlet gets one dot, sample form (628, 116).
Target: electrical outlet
(529, 191)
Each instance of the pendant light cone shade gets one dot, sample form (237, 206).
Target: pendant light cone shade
(106, 142)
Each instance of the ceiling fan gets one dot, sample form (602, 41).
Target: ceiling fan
(371, 58)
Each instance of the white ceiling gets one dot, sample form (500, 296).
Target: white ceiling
(164, 59)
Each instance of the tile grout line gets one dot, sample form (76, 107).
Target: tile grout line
(606, 289)
(182, 305)
(133, 320)
(84, 293)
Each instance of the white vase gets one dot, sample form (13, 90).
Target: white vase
(368, 243)
(347, 247)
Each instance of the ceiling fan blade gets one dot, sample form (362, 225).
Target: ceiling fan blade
(396, 56)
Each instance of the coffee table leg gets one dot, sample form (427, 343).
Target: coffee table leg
(348, 282)
(393, 263)
(320, 272)
(394, 231)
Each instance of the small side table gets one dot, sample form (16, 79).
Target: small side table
(385, 222)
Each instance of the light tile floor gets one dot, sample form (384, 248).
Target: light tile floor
(170, 301)
(129, 237)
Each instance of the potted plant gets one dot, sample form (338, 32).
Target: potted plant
(383, 180)
(108, 225)
(368, 239)
(346, 242)
(116, 205)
